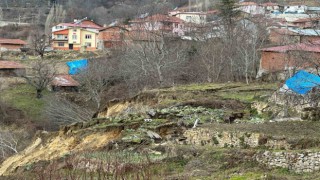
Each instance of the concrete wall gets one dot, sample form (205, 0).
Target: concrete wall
(195, 18)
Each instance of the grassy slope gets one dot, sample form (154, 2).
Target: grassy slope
(222, 163)
(23, 97)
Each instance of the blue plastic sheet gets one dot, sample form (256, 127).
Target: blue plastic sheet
(76, 66)
(303, 82)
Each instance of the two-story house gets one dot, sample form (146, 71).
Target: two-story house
(192, 17)
(111, 36)
(159, 22)
(81, 34)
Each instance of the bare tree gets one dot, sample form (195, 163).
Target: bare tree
(95, 80)
(154, 58)
(43, 72)
(61, 111)
(39, 42)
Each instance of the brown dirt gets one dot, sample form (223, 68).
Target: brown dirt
(57, 146)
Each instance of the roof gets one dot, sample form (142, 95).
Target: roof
(303, 82)
(12, 41)
(306, 32)
(247, 4)
(62, 31)
(308, 47)
(110, 27)
(284, 31)
(82, 24)
(269, 4)
(199, 13)
(64, 81)
(306, 20)
(10, 65)
(158, 18)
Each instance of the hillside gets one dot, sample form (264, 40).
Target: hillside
(158, 125)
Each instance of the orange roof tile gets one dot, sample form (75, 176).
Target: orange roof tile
(12, 41)
(10, 65)
(247, 4)
(308, 47)
(64, 81)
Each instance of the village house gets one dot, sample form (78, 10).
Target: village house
(159, 22)
(64, 83)
(11, 69)
(289, 57)
(11, 44)
(252, 8)
(305, 22)
(111, 36)
(191, 17)
(271, 7)
(295, 9)
(79, 35)
(284, 36)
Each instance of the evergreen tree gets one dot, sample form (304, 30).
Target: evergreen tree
(228, 13)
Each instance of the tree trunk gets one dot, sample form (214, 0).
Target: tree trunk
(160, 76)
(39, 93)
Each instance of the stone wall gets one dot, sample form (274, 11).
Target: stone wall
(296, 161)
(205, 136)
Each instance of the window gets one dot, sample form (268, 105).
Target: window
(60, 44)
(88, 36)
(87, 44)
(59, 27)
(60, 36)
(74, 37)
(188, 18)
(74, 30)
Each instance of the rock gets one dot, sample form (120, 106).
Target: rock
(152, 113)
(260, 106)
(153, 135)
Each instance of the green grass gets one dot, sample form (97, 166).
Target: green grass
(247, 176)
(202, 87)
(23, 97)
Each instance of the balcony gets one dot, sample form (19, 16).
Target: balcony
(57, 38)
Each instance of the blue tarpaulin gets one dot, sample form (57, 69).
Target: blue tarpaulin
(76, 66)
(303, 82)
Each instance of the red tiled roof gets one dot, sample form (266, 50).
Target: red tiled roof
(269, 4)
(110, 27)
(10, 65)
(160, 18)
(83, 24)
(308, 47)
(213, 12)
(284, 31)
(62, 31)
(64, 80)
(247, 4)
(12, 41)
(306, 20)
